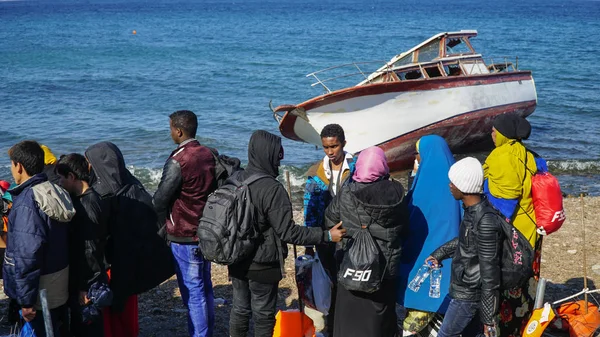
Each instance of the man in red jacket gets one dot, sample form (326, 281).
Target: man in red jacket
(188, 178)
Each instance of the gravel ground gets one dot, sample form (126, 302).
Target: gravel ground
(162, 313)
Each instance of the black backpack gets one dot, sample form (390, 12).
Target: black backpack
(362, 268)
(225, 166)
(517, 256)
(228, 230)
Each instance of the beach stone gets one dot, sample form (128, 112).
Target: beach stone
(578, 240)
(572, 251)
(596, 269)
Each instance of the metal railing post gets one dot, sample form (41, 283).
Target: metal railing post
(46, 312)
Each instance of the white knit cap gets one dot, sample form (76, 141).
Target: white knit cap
(467, 175)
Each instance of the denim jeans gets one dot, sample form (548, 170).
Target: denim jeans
(251, 298)
(195, 285)
(462, 319)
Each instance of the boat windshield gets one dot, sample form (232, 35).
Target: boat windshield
(429, 52)
(457, 46)
(404, 60)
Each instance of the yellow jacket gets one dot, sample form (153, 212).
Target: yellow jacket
(507, 178)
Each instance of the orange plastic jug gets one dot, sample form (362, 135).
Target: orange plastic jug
(293, 323)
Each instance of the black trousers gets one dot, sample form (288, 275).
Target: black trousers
(251, 298)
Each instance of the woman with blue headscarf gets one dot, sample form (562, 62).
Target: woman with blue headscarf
(434, 219)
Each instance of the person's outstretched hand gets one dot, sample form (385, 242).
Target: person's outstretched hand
(337, 233)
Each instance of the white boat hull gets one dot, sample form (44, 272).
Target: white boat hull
(392, 116)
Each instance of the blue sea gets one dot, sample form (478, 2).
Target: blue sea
(72, 73)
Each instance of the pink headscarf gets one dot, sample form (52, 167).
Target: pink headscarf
(371, 165)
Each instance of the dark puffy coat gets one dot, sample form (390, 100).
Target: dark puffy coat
(139, 258)
(380, 204)
(36, 254)
(476, 255)
(187, 180)
(275, 219)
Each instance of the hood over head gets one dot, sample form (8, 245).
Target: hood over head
(265, 152)
(108, 166)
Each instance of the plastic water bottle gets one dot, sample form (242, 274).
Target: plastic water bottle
(421, 276)
(434, 282)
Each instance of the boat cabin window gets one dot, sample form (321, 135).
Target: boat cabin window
(452, 69)
(433, 72)
(457, 46)
(429, 52)
(409, 74)
(474, 68)
(408, 59)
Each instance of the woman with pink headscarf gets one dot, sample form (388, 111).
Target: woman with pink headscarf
(373, 201)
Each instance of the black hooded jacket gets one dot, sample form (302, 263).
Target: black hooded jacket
(140, 259)
(274, 208)
(380, 206)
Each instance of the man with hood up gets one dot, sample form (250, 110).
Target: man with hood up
(139, 258)
(256, 280)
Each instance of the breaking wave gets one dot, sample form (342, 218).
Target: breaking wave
(574, 167)
(575, 176)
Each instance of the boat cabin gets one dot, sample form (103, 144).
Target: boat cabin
(443, 55)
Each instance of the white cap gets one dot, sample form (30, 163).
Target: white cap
(467, 175)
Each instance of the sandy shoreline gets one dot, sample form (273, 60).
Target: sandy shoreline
(162, 313)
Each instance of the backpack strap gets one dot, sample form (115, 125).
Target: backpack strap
(254, 177)
(248, 181)
(523, 189)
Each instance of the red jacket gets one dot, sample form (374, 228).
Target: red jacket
(187, 179)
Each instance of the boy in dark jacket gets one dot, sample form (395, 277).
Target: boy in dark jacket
(87, 239)
(36, 252)
(476, 254)
(255, 281)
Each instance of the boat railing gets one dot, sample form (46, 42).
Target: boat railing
(357, 71)
(493, 65)
(504, 65)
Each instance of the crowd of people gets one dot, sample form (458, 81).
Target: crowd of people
(83, 228)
